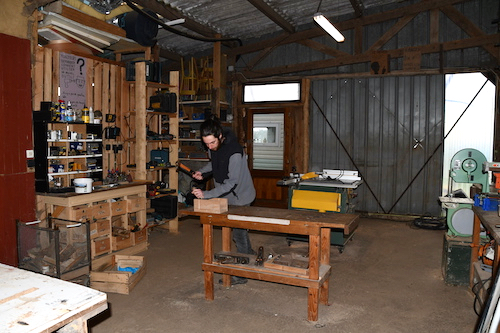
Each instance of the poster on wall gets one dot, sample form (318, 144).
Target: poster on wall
(72, 79)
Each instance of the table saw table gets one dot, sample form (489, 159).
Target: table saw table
(316, 226)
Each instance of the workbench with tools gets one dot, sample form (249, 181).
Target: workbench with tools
(316, 226)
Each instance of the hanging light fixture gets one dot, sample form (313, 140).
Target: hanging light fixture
(327, 25)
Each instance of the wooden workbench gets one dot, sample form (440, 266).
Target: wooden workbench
(32, 302)
(317, 226)
(489, 219)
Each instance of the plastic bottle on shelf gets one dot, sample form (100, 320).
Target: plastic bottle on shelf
(85, 115)
(91, 115)
(70, 114)
(62, 110)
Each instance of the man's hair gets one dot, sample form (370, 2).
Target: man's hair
(211, 126)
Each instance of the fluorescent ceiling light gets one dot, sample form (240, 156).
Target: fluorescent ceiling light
(328, 27)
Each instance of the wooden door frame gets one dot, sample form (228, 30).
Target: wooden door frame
(272, 174)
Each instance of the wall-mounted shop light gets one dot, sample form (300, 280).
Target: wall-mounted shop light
(328, 27)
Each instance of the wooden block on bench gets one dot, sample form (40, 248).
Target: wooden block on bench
(214, 205)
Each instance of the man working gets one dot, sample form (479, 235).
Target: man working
(232, 177)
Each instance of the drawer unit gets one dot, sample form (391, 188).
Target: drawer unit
(135, 204)
(101, 245)
(76, 213)
(118, 207)
(122, 242)
(101, 210)
(99, 228)
(140, 236)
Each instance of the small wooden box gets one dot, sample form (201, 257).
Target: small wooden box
(76, 213)
(101, 210)
(118, 207)
(100, 246)
(214, 205)
(140, 236)
(136, 204)
(115, 281)
(120, 243)
(100, 228)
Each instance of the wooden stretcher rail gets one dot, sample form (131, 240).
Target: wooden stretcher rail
(313, 224)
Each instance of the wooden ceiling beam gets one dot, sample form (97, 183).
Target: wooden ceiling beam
(470, 28)
(366, 57)
(413, 9)
(273, 15)
(173, 14)
(358, 7)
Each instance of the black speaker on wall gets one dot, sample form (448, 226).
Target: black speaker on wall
(140, 27)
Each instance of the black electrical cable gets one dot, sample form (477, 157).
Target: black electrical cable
(429, 222)
(476, 293)
(178, 32)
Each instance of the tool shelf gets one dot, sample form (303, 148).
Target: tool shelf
(65, 151)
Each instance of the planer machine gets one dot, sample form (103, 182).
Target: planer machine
(326, 191)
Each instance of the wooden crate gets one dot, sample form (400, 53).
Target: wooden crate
(115, 281)
(214, 205)
(120, 243)
(76, 213)
(140, 236)
(100, 228)
(118, 207)
(101, 210)
(100, 246)
(136, 204)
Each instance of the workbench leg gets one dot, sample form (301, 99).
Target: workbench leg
(314, 256)
(226, 246)
(208, 254)
(209, 285)
(312, 304)
(325, 260)
(476, 229)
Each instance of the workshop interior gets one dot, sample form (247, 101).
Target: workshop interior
(350, 114)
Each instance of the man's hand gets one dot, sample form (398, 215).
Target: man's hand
(198, 193)
(198, 175)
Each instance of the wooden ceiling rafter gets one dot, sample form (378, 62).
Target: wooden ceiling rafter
(477, 39)
(267, 10)
(416, 8)
(366, 57)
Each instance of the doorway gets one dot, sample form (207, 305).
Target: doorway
(267, 152)
(469, 126)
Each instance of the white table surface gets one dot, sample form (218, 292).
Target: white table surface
(32, 302)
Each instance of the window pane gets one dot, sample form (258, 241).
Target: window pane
(272, 92)
(268, 141)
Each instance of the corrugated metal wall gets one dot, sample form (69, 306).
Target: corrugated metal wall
(390, 127)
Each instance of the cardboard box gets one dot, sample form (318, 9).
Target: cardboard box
(112, 280)
(214, 205)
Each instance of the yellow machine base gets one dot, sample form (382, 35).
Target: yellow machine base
(321, 201)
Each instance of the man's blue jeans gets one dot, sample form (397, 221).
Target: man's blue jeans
(240, 237)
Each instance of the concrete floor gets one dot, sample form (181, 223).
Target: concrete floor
(388, 279)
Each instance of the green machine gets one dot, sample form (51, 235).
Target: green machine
(465, 167)
(327, 191)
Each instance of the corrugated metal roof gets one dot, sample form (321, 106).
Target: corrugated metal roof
(240, 19)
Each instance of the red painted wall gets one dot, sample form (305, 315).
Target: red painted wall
(17, 185)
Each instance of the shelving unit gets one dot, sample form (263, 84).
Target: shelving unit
(140, 145)
(61, 158)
